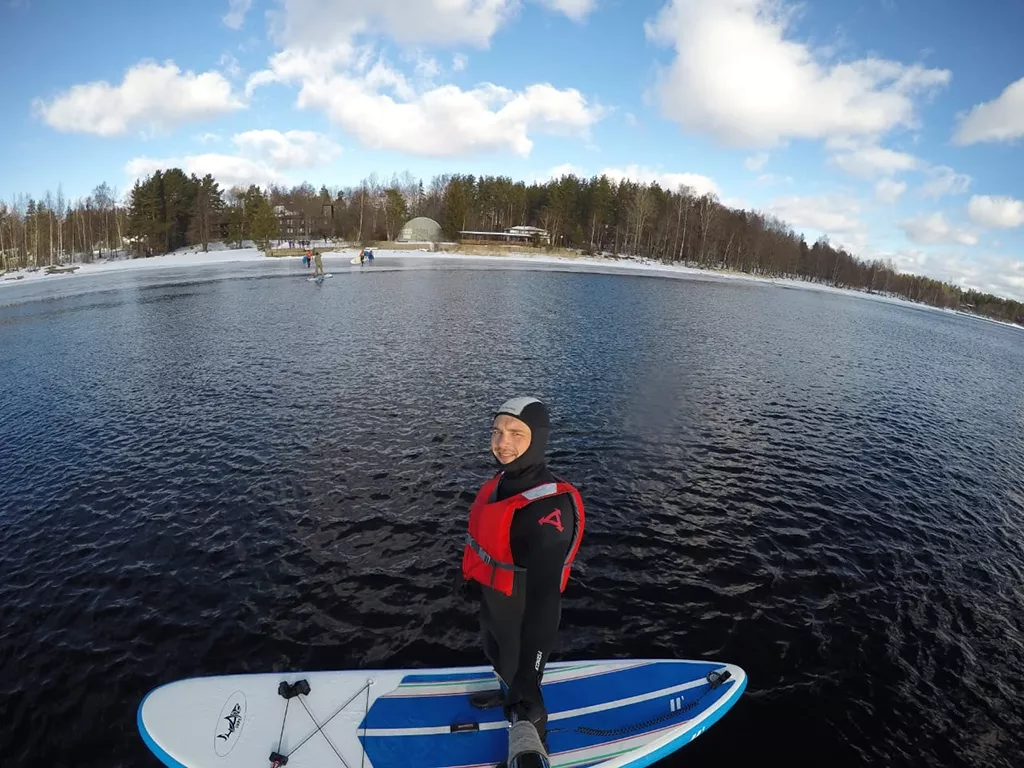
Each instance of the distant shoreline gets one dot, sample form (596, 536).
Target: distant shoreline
(625, 264)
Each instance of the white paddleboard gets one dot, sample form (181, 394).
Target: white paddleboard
(628, 712)
(354, 260)
(311, 279)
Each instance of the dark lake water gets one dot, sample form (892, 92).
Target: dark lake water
(241, 471)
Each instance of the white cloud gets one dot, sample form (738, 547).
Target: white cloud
(229, 64)
(737, 77)
(771, 179)
(565, 169)
(630, 119)
(427, 68)
(290, 149)
(868, 160)
(671, 181)
(755, 163)
(344, 77)
(574, 9)
(317, 24)
(206, 138)
(151, 96)
(999, 120)
(991, 211)
(830, 214)
(229, 170)
(444, 121)
(888, 191)
(459, 62)
(942, 180)
(990, 273)
(933, 229)
(235, 17)
(262, 158)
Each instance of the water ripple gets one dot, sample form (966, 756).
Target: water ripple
(240, 475)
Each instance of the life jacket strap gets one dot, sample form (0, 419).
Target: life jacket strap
(475, 546)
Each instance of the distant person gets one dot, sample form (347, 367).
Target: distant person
(362, 256)
(525, 528)
(319, 264)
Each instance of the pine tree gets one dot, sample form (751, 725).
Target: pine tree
(395, 212)
(147, 215)
(252, 200)
(180, 194)
(236, 225)
(455, 208)
(265, 225)
(206, 214)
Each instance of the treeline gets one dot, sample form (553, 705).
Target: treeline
(169, 210)
(52, 230)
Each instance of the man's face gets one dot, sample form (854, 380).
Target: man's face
(510, 438)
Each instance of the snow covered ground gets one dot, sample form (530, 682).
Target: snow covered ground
(220, 254)
(190, 257)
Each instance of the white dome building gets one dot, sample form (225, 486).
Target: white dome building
(420, 230)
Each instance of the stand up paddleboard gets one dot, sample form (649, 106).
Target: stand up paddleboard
(319, 277)
(600, 713)
(354, 260)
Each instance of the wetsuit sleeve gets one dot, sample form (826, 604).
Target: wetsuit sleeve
(540, 540)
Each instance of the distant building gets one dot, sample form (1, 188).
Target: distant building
(530, 235)
(541, 235)
(293, 226)
(420, 230)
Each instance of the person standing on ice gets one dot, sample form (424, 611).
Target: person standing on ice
(525, 528)
(318, 260)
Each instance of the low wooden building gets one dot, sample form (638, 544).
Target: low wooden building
(524, 235)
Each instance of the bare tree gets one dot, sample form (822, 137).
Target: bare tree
(684, 198)
(707, 207)
(640, 209)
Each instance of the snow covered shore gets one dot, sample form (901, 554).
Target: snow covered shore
(219, 254)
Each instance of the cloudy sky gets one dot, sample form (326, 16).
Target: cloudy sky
(894, 126)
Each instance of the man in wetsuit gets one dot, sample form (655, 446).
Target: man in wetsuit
(525, 528)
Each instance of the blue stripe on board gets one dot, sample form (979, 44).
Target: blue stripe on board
(437, 751)
(686, 737)
(612, 719)
(426, 711)
(447, 677)
(155, 748)
(680, 741)
(483, 747)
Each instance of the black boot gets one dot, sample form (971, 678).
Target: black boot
(487, 699)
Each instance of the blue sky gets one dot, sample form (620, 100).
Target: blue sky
(894, 126)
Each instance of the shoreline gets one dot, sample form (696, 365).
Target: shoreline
(220, 255)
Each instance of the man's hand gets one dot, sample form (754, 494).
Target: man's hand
(465, 589)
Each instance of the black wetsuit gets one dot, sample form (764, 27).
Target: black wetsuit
(519, 632)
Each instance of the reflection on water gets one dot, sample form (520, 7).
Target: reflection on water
(243, 471)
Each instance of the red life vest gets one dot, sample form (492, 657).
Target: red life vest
(487, 556)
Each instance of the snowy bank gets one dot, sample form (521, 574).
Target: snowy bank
(184, 258)
(221, 254)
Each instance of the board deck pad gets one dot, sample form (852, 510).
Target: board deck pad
(600, 713)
